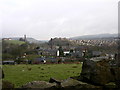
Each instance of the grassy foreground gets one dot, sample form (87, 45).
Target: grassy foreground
(21, 74)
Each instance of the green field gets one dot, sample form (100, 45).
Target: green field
(15, 42)
(21, 74)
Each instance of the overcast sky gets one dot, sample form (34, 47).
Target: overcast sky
(43, 19)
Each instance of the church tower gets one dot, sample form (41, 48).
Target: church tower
(25, 39)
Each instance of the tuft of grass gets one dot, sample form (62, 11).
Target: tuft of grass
(38, 67)
(42, 68)
(74, 66)
(29, 69)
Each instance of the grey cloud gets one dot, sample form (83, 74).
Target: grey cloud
(43, 19)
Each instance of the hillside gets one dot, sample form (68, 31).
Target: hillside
(30, 40)
(60, 42)
(97, 36)
(14, 42)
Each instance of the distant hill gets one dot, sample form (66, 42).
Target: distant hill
(30, 40)
(97, 36)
